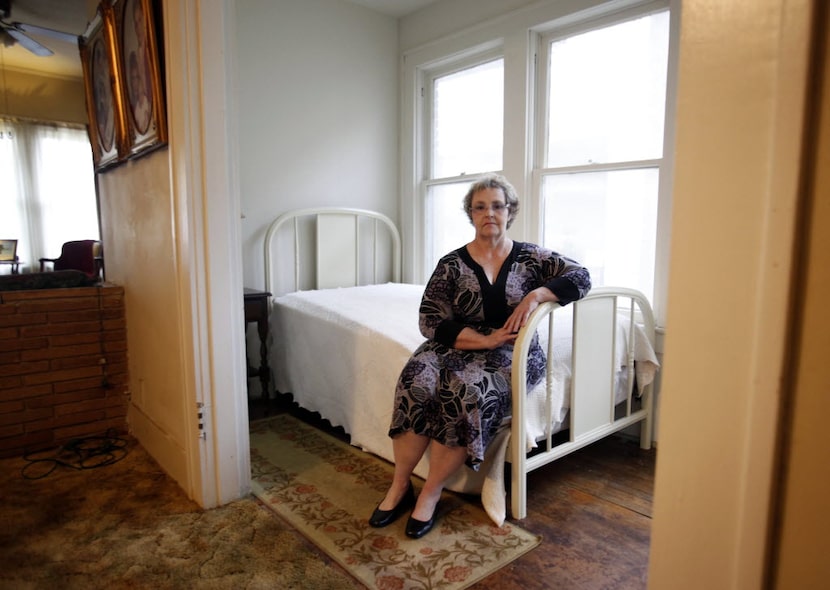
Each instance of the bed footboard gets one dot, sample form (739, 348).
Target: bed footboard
(594, 408)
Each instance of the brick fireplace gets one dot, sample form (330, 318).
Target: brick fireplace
(63, 366)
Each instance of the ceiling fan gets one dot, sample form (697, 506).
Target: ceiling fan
(20, 32)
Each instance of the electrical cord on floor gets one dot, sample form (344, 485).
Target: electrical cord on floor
(82, 453)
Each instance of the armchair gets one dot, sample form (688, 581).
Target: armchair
(83, 255)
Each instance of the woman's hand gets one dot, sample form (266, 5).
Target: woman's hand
(502, 336)
(469, 339)
(527, 306)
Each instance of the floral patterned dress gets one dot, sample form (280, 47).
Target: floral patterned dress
(461, 397)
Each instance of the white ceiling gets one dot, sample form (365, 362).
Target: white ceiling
(396, 8)
(70, 16)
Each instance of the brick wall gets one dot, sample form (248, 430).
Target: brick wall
(63, 366)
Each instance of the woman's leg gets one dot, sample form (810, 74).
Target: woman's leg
(444, 461)
(408, 448)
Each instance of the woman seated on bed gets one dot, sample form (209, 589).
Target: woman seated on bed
(454, 391)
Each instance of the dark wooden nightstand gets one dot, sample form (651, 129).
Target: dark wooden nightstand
(256, 310)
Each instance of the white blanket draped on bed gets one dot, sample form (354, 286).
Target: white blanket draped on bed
(340, 352)
(645, 370)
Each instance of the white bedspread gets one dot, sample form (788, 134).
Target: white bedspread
(340, 352)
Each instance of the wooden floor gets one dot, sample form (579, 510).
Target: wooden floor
(592, 509)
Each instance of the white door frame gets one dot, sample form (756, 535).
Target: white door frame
(204, 183)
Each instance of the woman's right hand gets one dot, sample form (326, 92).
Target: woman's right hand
(470, 339)
(502, 336)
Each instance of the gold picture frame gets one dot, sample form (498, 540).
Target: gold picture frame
(139, 65)
(103, 90)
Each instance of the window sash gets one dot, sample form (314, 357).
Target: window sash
(639, 268)
(459, 141)
(443, 188)
(619, 112)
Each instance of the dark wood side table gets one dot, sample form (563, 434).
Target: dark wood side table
(256, 310)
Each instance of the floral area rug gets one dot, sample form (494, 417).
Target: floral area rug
(327, 489)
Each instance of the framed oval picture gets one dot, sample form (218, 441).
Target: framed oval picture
(140, 66)
(103, 97)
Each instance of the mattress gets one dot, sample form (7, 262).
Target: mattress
(340, 351)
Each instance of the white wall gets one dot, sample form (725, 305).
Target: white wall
(447, 17)
(318, 116)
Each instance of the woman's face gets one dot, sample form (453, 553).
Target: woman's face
(490, 212)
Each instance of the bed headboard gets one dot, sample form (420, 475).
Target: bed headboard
(327, 247)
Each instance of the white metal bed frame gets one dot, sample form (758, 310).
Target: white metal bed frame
(338, 240)
(593, 410)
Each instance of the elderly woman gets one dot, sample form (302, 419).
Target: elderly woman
(454, 392)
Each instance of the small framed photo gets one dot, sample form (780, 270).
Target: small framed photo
(8, 250)
(103, 92)
(140, 67)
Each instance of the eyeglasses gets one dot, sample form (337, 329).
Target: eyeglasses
(496, 207)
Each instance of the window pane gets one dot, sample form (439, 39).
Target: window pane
(448, 227)
(606, 221)
(607, 91)
(66, 188)
(10, 223)
(467, 120)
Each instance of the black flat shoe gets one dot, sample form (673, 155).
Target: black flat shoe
(381, 518)
(415, 529)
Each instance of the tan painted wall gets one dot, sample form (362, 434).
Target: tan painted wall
(742, 79)
(137, 231)
(44, 98)
(805, 519)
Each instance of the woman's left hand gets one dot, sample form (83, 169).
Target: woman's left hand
(526, 307)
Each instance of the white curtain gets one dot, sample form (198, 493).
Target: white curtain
(47, 183)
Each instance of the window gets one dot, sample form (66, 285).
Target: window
(579, 130)
(48, 189)
(465, 138)
(602, 149)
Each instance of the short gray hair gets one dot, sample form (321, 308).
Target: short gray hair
(493, 181)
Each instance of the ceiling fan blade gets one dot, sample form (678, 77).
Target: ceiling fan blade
(29, 43)
(36, 30)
